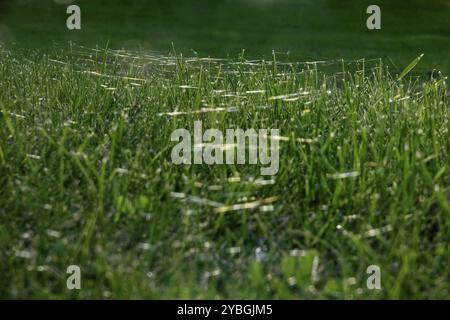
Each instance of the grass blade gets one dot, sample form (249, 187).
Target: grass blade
(410, 67)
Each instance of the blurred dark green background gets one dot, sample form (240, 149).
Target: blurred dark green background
(309, 29)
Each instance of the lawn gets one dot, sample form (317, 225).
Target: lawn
(310, 30)
(87, 179)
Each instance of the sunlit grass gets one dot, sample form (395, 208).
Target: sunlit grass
(86, 178)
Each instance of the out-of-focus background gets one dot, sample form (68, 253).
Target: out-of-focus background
(308, 29)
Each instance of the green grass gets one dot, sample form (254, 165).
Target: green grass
(309, 29)
(86, 178)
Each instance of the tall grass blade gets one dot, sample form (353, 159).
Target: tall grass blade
(411, 66)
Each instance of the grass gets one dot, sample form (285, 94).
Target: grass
(86, 178)
(309, 29)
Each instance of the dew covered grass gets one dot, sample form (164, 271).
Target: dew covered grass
(86, 178)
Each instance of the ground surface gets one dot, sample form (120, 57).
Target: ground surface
(309, 29)
(86, 176)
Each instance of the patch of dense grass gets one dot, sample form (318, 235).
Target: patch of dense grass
(86, 178)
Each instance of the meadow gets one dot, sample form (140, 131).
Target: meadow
(86, 176)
